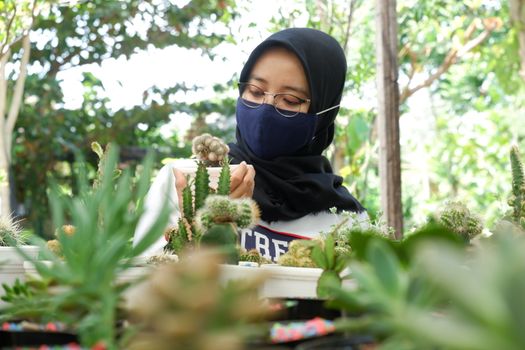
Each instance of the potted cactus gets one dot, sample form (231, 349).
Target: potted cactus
(208, 215)
(12, 239)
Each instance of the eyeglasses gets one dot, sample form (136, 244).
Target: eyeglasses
(287, 105)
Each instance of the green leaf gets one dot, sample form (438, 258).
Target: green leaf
(328, 281)
(318, 257)
(329, 248)
(386, 266)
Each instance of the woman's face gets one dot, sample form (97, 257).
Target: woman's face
(279, 71)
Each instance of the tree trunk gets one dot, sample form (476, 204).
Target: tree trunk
(4, 164)
(7, 122)
(388, 114)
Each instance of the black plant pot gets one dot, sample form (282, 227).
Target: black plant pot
(337, 342)
(12, 339)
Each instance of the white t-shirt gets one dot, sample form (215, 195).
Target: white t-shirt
(270, 239)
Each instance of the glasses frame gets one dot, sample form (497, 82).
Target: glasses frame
(242, 85)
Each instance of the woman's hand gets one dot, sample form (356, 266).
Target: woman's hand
(242, 181)
(180, 184)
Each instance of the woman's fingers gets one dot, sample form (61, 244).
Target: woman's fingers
(243, 181)
(180, 184)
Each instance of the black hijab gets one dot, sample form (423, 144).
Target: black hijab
(290, 187)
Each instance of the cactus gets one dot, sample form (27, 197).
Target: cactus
(211, 150)
(252, 255)
(223, 187)
(185, 306)
(244, 213)
(10, 232)
(517, 198)
(298, 254)
(458, 218)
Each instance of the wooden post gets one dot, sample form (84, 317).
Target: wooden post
(388, 117)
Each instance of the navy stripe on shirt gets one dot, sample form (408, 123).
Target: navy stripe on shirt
(269, 243)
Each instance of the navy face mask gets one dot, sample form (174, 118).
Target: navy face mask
(269, 134)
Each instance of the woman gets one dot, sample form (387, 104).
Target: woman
(290, 89)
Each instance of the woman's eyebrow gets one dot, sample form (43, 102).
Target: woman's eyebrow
(286, 87)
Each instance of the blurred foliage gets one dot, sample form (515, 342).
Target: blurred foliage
(87, 32)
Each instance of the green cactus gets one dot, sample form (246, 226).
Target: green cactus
(10, 232)
(200, 213)
(223, 187)
(252, 255)
(458, 218)
(244, 213)
(299, 254)
(223, 236)
(187, 203)
(517, 198)
(202, 186)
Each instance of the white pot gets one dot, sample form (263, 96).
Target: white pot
(281, 281)
(12, 264)
(189, 167)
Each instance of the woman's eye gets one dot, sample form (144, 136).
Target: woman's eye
(292, 101)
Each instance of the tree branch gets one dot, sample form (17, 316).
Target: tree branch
(349, 24)
(452, 57)
(7, 33)
(18, 93)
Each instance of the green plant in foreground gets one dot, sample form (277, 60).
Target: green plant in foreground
(82, 290)
(11, 233)
(185, 306)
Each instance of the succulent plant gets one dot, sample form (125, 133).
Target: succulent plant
(10, 232)
(185, 306)
(458, 218)
(219, 219)
(298, 254)
(162, 259)
(252, 255)
(210, 149)
(218, 209)
(187, 233)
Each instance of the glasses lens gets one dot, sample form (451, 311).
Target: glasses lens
(288, 105)
(252, 96)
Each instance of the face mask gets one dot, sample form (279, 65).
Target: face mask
(268, 134)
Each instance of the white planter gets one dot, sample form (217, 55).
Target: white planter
(189, 167)
(281, 281)
(12, 264)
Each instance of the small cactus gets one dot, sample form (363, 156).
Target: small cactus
(298, 254)
(252, 255)
(10, 232)
(244, 213)
(458, 218)
(210, 149)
